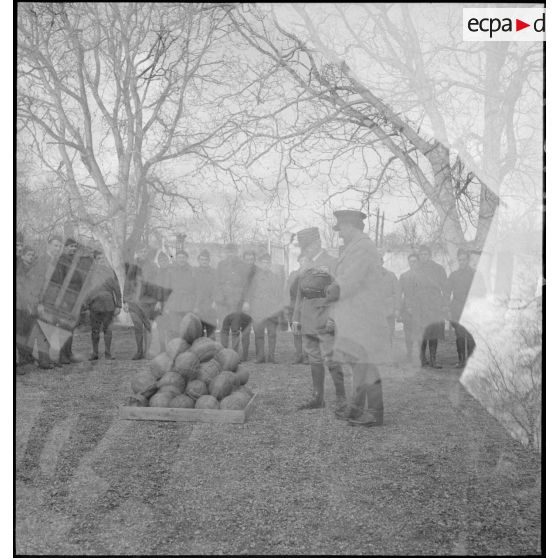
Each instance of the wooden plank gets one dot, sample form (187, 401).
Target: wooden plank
(188, 415)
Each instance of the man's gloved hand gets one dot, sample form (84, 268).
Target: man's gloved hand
(332, 292)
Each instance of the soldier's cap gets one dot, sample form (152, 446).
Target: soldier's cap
(349, 216)
(204, 254)
(70, 242)
(307, 236)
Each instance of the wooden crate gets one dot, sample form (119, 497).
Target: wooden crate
(188, 415)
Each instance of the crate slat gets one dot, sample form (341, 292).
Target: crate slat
(188, 415)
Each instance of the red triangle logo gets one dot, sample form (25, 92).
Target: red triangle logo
(519, 25)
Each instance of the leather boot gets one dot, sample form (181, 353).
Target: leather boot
(95, 336)
(374, 415)
(271, 343)
(298, 348)
(245, 338)
(460, 343)
(318, 378)
(423, 360)
(138, 332)
(108, 343)
(341, 398)
(433, 346)
(260, 348)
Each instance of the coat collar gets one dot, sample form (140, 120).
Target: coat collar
(350, 247)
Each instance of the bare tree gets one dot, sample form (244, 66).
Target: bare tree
(372, 89)
(110, 93)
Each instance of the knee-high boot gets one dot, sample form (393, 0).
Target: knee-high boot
(433, 346)
(460, 344)
(271, 343)
(95, 337)
(423, 360)
(318, 378)
(259, 340)
(337, 376)
(374, 414)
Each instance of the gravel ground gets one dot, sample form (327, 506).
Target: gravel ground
(441, 477)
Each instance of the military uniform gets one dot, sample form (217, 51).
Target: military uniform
(359, 310)
(292, 288)
(265, 307)
(459, 288)
(408, 309)
(234, 279)
(102, 300)
(205, 280)
(311, 311)
(141, 294)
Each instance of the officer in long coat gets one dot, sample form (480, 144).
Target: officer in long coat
(459, 288)
(311, 318)
(265, 308)
(205, 281)
(408, 304)
(431, 304)
(361, 330)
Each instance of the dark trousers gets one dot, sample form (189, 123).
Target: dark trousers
(237, 323)
(270, 325)
(464, 341)
(101, 321)
(142, 315)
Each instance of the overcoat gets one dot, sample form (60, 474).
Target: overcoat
(205, 279)
(431, 298)
(104, 294)
(459, 288)
(234, 278)
(361, 330)
(408, 308)
(312, 313)
(182, 297)
(391, 294)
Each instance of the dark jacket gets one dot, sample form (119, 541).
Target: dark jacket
(234, 278)
(265, 295)
(459, 287)
(182, 284)
(205, 281)
(104, 294)
(140, 286)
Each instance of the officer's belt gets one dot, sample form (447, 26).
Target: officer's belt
(313, 293)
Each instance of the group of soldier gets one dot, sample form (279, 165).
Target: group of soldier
(341, 311)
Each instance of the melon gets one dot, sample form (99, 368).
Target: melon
(169, 388)
(187, 365)
(144, 382)
(138, 400)
(222, 385)
(235, 401)
(175, 347)
(209, 371)
(207, 402)
(161, 399)
(190, 327)
(196, 388)
(174, 379)
(241, 377)
(205, 348)
(229, 359)
(160, 365)
(182, 402)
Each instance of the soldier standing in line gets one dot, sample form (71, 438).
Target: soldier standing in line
(205, 278)
(265, 308)
(361, 331)
(431, 305)
(407, 308)
(141, 296)
(162, 279)
(310, 317)
(181, 300)
(104, 302)
(292, 287)
(234, 277)
(389, 286)
(459, 288)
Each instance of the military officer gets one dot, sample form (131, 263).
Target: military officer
(407, 304)
(459, 288)
(292, 287)
(431, 287)
(361, 330)
(310, 317)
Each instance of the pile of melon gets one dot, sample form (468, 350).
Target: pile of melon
(194, 372)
